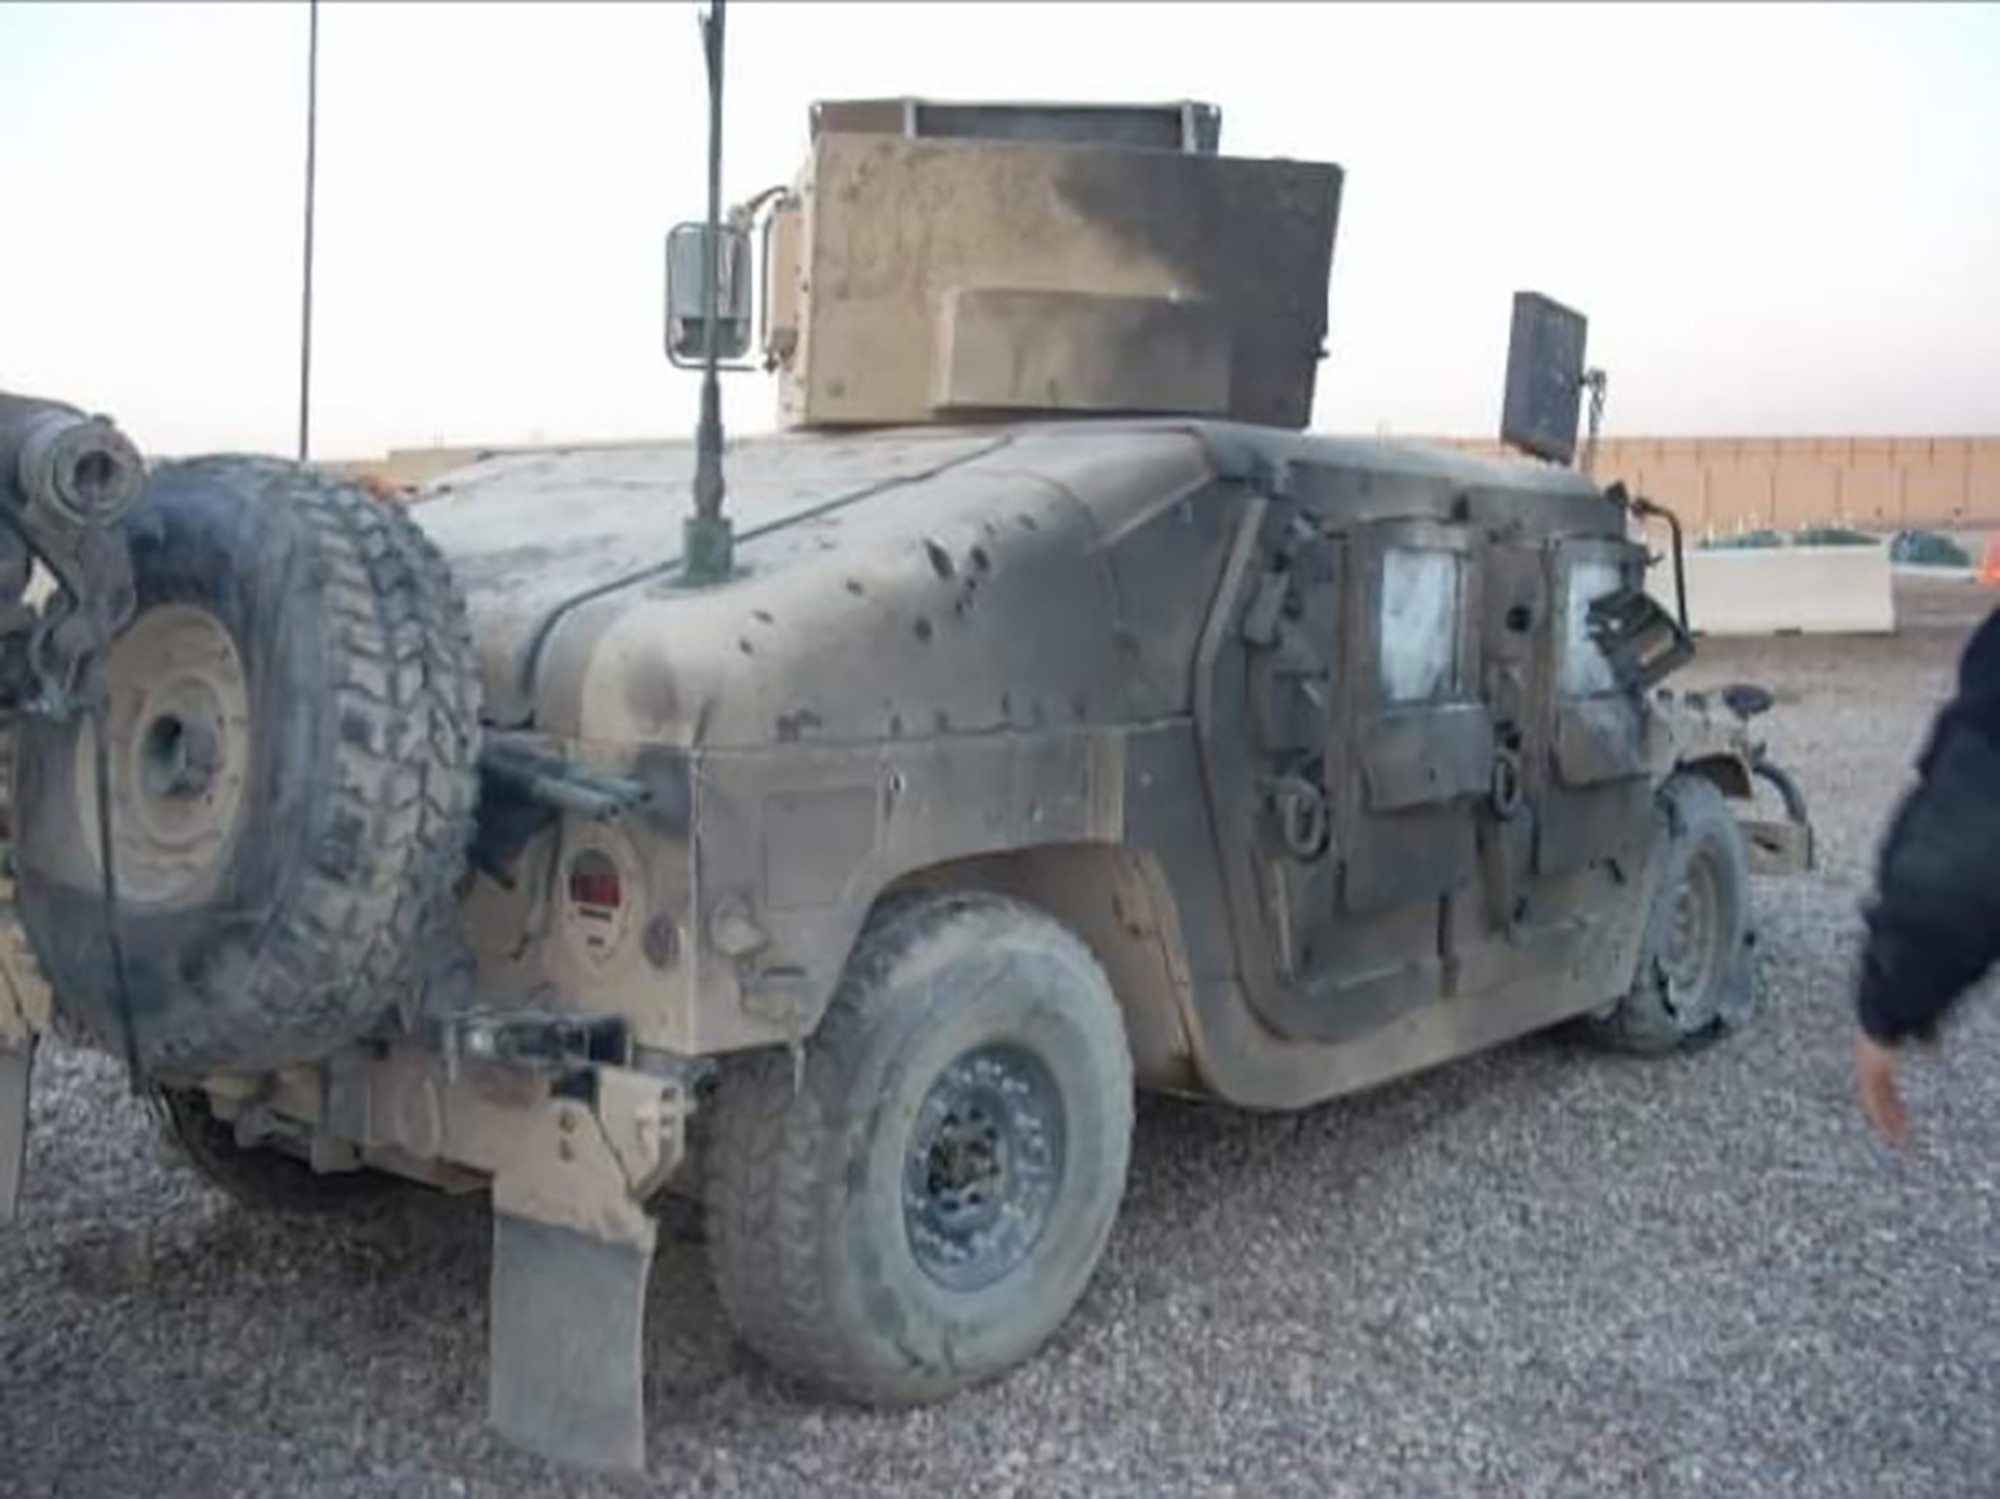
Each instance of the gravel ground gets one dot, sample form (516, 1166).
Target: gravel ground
(1540, 1272)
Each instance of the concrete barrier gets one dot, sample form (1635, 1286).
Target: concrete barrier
(1830, 590)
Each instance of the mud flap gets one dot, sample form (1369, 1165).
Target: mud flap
(566, 1352)
(16, 1069)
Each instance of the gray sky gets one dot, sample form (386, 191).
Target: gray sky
(1779, 219)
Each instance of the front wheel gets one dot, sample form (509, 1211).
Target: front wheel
(1694, 982)
(928, 1205)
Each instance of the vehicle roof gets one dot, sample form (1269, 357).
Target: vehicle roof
(532, 534)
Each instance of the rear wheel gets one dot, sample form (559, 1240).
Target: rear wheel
(928, 1207)
(1694, 981)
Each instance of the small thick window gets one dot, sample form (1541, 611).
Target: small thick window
(1586, 671)
(1419, 625)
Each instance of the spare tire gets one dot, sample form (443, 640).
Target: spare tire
(293, 724)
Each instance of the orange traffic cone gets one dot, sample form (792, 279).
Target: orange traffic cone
(1989, 564)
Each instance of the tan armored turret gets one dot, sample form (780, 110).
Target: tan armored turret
(961, 262)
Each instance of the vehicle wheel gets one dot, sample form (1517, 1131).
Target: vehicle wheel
(263, 1178)
(1694, 979)
(927, 1207)
(293, 722)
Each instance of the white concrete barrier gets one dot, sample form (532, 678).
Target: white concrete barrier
(1833, 590)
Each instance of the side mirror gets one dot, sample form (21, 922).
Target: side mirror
(1545, 378)
(687, 273)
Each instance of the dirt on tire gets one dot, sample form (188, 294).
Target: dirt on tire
(808, 1242)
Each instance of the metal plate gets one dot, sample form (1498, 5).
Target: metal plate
(567, 1364)
(1544, 378)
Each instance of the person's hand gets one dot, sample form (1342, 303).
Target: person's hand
(1875, 1076)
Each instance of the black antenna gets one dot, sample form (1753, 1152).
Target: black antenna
(306, 298)
(707, 544)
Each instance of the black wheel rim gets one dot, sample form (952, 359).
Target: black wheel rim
(1691, 956)
(983, 1167)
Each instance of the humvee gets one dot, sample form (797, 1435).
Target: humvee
(1048, 715)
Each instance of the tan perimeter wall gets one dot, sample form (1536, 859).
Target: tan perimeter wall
(1715, 484)
(1723, 484)
(406, 466)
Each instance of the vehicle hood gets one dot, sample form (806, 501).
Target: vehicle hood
(531, 535)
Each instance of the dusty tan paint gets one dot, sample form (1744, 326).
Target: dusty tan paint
(784, 280)
(585, 1166)
(178, 664)
(801, 836)
(813, 797)
(892, 226)
(911, 252)
(1247, 1064)
(1008, 350)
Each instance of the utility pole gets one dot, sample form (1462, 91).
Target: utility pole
(306, 298)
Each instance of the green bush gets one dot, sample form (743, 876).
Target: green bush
(1833, 536)
(1928, 549)
(1742, 540)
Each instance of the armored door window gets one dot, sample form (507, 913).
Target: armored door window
(1420, 623)
(1599, 730)
(1422, 739)
(1584, 670)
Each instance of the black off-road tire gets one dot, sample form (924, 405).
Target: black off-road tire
(263, 1178)
(811, 1244)
(315, 918)
(1703, 845)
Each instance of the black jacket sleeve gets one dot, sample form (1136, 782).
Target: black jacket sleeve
(1934, 928)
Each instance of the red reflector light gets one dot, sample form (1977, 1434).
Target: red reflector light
(593, 881)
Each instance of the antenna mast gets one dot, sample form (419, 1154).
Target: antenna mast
(707, 543)
(306, 297)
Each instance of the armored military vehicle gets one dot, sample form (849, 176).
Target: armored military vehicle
(1040, 714)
